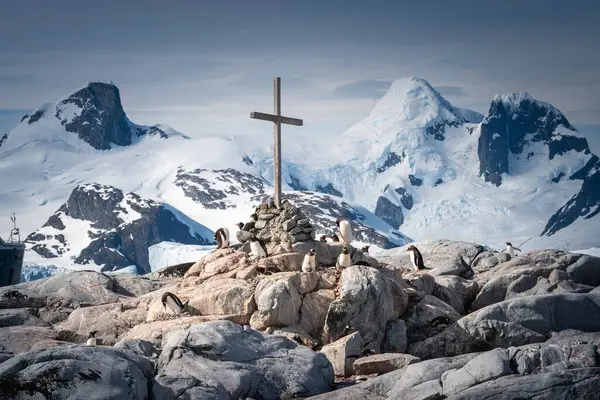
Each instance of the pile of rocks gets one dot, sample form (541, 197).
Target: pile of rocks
(285, 226)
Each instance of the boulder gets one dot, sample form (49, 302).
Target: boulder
(220, 359)
(428, 317)
(76, 372)
(382, 363)
(515, 322)
(365, 303)
(343, 352)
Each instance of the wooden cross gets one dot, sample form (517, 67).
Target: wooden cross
(278, 119)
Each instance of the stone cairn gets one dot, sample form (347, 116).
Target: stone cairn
(284, 226)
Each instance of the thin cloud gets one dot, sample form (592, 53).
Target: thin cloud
(447, 90)
(368, 89)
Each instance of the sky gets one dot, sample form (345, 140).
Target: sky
(203, 66)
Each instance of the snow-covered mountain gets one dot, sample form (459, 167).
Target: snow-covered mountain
(436, 171)
(416, 163)
(93, 190)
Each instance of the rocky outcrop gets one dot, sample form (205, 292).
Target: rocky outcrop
(263, 329)
(120, 228)
(389, 212)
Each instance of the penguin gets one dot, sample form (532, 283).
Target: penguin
(92, 339)
(323, 239)
(510, 249)
(242, 235)
(309, 264)
(365, 249)
(222, 238)
(257, 247)
(416, 258)
(254, 216)
(344, 259)
(173, 303)
(345, 230)
(334, 238)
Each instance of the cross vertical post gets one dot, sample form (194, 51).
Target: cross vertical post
(277, 119)
(277, 142)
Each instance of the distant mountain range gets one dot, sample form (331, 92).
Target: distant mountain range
(416, 164)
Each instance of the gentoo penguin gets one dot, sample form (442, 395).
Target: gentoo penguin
(257, 247)
(323, 239)
(365, 249)
(242, 235)
(334, 238)
(416, 258)
(173, 303)
(344, 259)
(222, 238)
(254, 217)
(345, 230)
(510, 249)
(92, 338)
(309, 264)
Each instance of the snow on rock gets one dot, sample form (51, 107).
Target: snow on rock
(101, 227)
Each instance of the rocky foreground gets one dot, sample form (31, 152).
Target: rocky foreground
(479, 325)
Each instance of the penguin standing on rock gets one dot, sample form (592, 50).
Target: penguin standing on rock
(222, 238)
(345, 230)
(510, 249)
(365, 249)
(416, 258)
(344, 259)
(257, 247)
(323, 239)
(309, 264)
(92, 339)
(169, 300)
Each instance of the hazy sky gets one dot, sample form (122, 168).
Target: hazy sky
(203, 66)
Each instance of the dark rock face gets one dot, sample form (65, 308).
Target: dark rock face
(389, 212)
(405, 198)
(511, 118)
(198, 185)
(585, 204)
(391, 160)
(36, 116)
(3, 139)
(96, 115)
(414, 180)
(329, 189)
(123, 226)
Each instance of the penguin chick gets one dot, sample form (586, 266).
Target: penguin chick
(309, 264)
(344, 259)
(92, 338)
(257, 247)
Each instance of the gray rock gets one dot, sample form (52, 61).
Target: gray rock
(219, 358)
(514, 322)
(428, 317)
(395, 337)
(444, 256)
(365, 303)
(140, 347)
(343, 352)
(487, 366)
(538, 273)
(382, 363)
(20, 316)
(76, 373)
(288, 224)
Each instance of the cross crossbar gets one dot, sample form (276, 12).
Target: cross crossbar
(273, 118)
